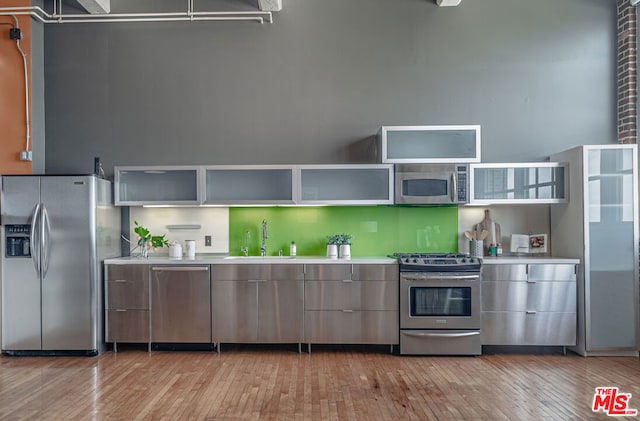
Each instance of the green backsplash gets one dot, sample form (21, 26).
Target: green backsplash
(376, 230)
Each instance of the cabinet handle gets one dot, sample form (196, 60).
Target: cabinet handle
(531, 281)
(347, 280)
(347, 311)
(256, 280)
(531, 312)
(120, 280)
(180, 268)
(120, 310)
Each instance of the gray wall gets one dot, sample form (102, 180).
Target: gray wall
(315, 86)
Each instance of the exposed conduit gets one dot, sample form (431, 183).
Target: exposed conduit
(189, 15)
(26, 83)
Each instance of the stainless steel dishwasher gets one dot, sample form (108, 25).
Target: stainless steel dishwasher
(180, 304)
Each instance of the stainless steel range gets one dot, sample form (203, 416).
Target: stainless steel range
(439, 304)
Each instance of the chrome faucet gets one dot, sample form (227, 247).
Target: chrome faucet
(245, 249)
(265, 235)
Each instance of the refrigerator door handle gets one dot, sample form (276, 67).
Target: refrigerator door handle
(46, 232)
(34, 241)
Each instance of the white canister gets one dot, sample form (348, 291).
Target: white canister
(175, 250)
(345, 251)
(190, 246)
(332, 251)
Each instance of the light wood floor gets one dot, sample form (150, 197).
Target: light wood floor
(277, 383)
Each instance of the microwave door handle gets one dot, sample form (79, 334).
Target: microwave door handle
(454, 187)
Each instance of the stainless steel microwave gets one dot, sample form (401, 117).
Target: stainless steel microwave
(431, 184)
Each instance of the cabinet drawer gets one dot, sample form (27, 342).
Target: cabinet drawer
(351, 295)
(329, 272)
(523, 296)
(127, 326)
(516, 272)
(375, 273)
(521, 328)
(553, 272)
(267, 272)
(357, 327)
(128, 294)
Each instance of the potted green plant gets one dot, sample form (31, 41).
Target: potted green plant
(333, 241)
(345, 246)
(146, 241)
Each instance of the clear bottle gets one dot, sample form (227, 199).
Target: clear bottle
(292, 250)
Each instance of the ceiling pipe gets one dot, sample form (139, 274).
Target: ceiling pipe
(189, 15)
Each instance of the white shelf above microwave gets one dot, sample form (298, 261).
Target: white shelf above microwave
(430, 144)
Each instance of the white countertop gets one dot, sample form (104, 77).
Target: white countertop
(506, 260)
(223, 259)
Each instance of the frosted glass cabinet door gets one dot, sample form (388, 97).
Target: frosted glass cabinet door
(611, 279)
(519, 183)
(430, 144)
(135, 186)
(248, 185)
(346, 184)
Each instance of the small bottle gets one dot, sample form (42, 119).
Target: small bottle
(499, 250)
(292, 251)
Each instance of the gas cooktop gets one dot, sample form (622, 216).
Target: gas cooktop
(437, 262)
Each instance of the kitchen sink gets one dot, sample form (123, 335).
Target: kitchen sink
(259, 257)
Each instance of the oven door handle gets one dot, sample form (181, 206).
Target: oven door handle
(441, 335)
(440, 277)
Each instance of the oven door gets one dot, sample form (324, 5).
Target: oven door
(439, 301)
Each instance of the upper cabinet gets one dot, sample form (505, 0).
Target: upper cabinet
(430, 144)
(246, 185)
(176, 185)
(533, 183)
(346, 184)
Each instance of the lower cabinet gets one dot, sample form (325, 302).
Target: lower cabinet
(351, 304)
(127, 304)
(257, 303)
(529, 304)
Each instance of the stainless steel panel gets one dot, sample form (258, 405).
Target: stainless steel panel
(280, 309)
(328, 272)
(181, 305)
(257, 272)
(523, 296)
(127, 287)
(517, 272)
(355, 295)
(21, 311)
(375, 272)
(552, 272)
(351, 327)
(127, 326)
(440, 342)
(522, 328)
(234, 306)
(70, 297)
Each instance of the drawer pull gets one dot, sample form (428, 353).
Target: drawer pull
(120, 310)
(180, 268)
(531, 281)
(120, 280)
(347, 280)
(256, 280)
(532, 312)
(347, 311)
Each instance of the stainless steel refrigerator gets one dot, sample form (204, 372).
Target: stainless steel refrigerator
(56, 232)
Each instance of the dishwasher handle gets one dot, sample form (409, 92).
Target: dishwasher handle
(180, 268)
